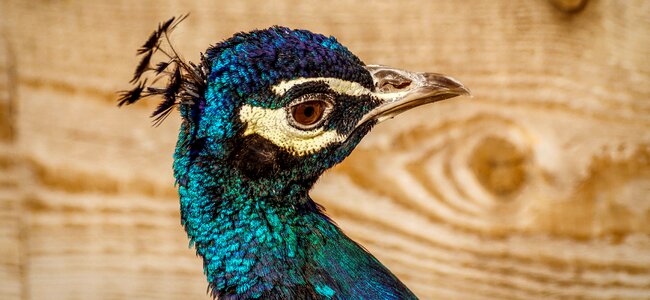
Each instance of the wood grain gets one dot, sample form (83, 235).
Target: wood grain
(11, 246)
(535, 188)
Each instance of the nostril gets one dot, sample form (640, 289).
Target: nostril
(388, 81)
(402, 84)
(392, 84)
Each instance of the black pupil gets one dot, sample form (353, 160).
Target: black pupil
(309, 111)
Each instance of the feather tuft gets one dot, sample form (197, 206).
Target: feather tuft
(185, 85)
(131, 96)
(170, 93)
(154, 39)
(143, 66)
(162, 66)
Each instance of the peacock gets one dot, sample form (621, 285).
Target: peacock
(264, 114)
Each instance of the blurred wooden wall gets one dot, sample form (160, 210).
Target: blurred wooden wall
(538, 187)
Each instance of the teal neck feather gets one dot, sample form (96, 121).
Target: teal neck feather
(270, 240)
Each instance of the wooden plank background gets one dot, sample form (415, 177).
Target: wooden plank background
(536, 188)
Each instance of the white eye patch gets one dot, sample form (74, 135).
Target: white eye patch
(339, 86)
(273, 125)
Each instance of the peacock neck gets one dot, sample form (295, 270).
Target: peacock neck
(266, 239)
(252, 237)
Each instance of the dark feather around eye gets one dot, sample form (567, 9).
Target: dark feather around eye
(311, 87)
(186, 83)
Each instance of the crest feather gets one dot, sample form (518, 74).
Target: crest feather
(185, 84)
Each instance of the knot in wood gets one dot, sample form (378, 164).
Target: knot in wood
(499, 166)
(569, 6)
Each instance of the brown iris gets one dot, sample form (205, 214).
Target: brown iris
(309, 112)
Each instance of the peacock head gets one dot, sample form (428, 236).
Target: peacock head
(278, 107)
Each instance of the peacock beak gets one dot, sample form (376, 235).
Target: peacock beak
(401, 90)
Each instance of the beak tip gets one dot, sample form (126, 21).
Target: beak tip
(459, 87)
(466, 92)
(449, 83)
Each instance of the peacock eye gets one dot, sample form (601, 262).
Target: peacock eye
(308, 114)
